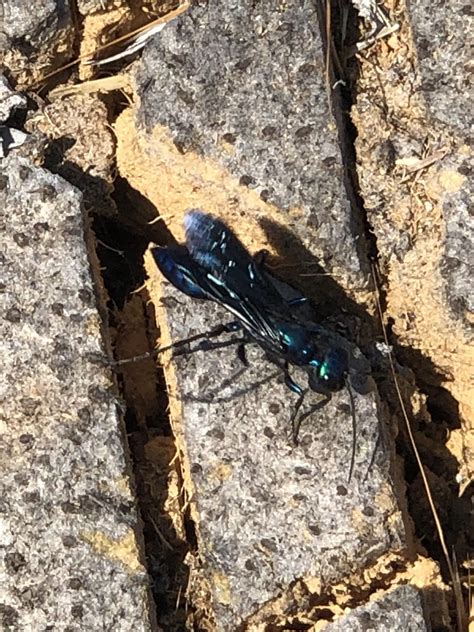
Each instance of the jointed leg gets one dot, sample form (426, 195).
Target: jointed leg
(213, 333)
(296, 388)
(312, 410)
(242, 355)
(208, 345)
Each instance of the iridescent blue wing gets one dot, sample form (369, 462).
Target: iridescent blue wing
(177, 265)
(233, 277)
(216, 249)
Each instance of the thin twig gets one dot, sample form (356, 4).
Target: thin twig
(160, 535)
(163, 19)
(439, 528)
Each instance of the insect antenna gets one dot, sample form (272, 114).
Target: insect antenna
(354, 427)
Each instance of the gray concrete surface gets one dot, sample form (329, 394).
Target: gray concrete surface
(268, 513)
(442, 33)
(412, 114)
(245, 84)
(70, 536)
(400, 609)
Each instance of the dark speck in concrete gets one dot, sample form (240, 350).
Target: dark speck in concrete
(268, 432)
(8, 615)
(13, 315)
(86, 296)
(15, 561)
(27, 439)
(274, 408)
(84, 414)
(77, 611)
(303, 131)
(269, 544)
(21, 239)
(270, 132)
(24, 172)
(31, 497)
(247, 181)
(250, 565)
(75, 583)
(303, 471)
(29, 405)
(69, 541)
(57, 308)
(98, 394)
(229, 138)
(40, 228)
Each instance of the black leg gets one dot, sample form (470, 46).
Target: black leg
(313, 409)
(296, 423)
(296, 388)
(208, 345)
(242, 355)
(212, 333)
(372, 458)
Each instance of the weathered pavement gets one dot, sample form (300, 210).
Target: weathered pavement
(69, 535)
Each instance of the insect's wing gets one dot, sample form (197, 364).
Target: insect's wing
(215, 247)
(232, 276)
(186, 274)
(176, 264)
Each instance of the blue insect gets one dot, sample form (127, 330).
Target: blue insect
(214, 265)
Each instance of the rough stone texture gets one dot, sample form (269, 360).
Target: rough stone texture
(33, 43)
(268, 513)
(86, 7)
(400, 609)
(243, 85)
(9, 100)
(414, 159)
(69, 527)
(81, 146)
(441, 32)
(151, 7)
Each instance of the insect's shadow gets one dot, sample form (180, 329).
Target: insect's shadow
(311, 278)
(333, 304)
(212, 396)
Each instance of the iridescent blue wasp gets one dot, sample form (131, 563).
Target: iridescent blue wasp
(214, 265)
